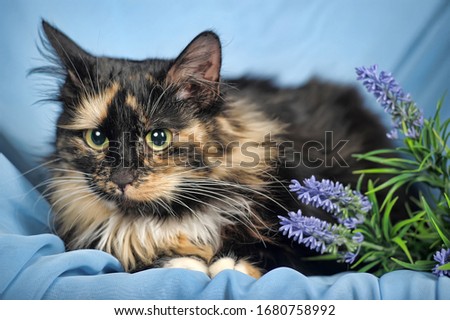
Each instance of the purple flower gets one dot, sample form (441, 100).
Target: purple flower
(333, 197)
(350, 257)
(395, 102)
(318, 193)
(441, 257)
(393, 134)
(358, 237)
(321, 236)
(310, 231)
(383, 86)
(346, 205)
(351, 222)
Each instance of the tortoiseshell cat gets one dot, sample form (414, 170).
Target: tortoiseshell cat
(162, 164)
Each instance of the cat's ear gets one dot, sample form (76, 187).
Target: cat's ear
(73, 58)
(196, 71)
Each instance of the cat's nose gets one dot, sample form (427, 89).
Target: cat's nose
(122, 178)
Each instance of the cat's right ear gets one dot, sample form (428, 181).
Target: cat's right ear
(196, 71)
(73, 58)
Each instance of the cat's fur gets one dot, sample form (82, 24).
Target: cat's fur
(210, 201)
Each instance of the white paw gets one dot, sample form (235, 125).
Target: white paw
(228, 263)
(186, 263)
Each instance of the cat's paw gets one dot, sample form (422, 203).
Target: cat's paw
(189, 263)
(228, 263)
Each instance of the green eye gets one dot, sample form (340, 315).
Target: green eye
(159, 139)
(96, 139)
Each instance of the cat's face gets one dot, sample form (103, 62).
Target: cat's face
(134, 132)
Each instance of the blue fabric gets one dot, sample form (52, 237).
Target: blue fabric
(289, 40)
(33, 265)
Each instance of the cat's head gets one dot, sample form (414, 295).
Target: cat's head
(134, 132)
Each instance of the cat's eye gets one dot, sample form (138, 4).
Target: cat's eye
(159, 139)
(96, 139)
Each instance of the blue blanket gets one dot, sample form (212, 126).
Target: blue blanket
(34, 265)
(291, 40)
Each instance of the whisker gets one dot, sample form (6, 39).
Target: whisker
(241, 187)
(44, 164)
(70, 171)
(222, 210)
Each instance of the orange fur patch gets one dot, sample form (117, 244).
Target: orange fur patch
(93, 109)
(185, 247)
(248, 268)
(132, 102)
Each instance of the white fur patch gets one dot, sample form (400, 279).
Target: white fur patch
(226, 263)
(187, 263)
(203, 228)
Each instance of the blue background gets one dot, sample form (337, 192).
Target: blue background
(289, 41)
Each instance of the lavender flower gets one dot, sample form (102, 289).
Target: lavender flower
(321, 236)
(383, 86)
(312, 232)
(358, 237)
(390, 95)
(442, 257)
(350, 257)
(334, 198)
(351, 222)
(320, 194)
(346, 205)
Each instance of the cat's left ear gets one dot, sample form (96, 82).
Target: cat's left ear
(196, 71)
(72, 57)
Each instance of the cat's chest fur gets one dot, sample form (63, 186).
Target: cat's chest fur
(138, 238)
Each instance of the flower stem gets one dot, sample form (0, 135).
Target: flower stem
(374, 246)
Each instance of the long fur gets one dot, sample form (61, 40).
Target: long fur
(217, 190)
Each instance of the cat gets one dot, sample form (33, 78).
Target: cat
(162, 163)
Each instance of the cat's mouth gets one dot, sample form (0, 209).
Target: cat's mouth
(158, 208)
(125, 197)
(128, 203)
(122, 197)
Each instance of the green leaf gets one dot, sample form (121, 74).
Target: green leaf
(390, 194)
(425, 263)
(423, 266)
(386, 223)
(374, 221)
(445, 266)
(438, 110)
(402, 244)
(404, 178)
(447, 198)
(435, 223)
(369, 266)
(323, 257)
(399, 225)
(373, 153)
(426, 162)
(363, 259)
(378, 170)
(432, 181)
(392, 162)
(360, 182)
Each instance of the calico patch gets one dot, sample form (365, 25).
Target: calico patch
(160, 162)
